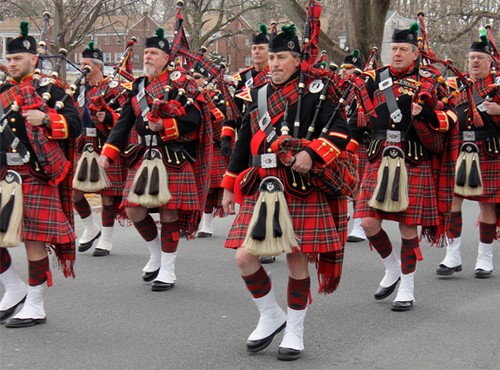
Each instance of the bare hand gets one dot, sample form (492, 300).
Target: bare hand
(416, 109)
(101, 116)
(492, 108)
(228, 202)
(33, 116)
(103, 162)
(303, 162)
(156, 126)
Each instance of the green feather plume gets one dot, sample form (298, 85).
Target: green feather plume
(160, 33)
(24, 26)
(355, 53)
(414, 27)
(289, 31)
(483, 35)
(91, 45)
(263, 29)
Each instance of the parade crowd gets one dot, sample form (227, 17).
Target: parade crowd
(283, 145)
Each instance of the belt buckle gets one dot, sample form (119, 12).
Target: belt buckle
(397, 116)
(469, 135)
(150, 140)
(385, 84)
(14, 159)
(90, 132)
(393, 136)
(268, 160)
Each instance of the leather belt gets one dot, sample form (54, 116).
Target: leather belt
(392, 136)
(474, 135)
(265, 161)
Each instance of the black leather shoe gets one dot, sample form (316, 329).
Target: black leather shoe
(482, 274)
(24, 323)
(98, 252)
(203, 234)
(86, 246)
(402, 306)
(382, 292)
(260, 344)
(150, 276)
(5, 314)
(354, 239)
(160, 286)
(267, 259)
(445, 270)
(288, 354)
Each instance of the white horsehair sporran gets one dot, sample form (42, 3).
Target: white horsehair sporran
(468, 171)
(270, 231)
(391, 192)
(89, 176)
(150, 185)
(11, 209)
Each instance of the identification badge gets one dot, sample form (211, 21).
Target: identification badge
(90, 132)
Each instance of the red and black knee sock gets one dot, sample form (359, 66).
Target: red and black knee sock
(5, 260)
(487, 232)
(410, 253)
(298, 293)
(39, 272)
(82, 207)
(108, 216)
(147, 228)
(170, 235)
(455, 228)
(211, 202)
(259, 283)
(381, 243)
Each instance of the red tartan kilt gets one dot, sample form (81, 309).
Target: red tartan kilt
(219, 167)
(490, 168)
(363, 160)
(422, 209)
(182, 186)
(312, 221)
(43, 216)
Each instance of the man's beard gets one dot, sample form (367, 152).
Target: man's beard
(150, 70)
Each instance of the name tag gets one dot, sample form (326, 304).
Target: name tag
(90, 131)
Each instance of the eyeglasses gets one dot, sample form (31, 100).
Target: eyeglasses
(347, 66)
(478, 57)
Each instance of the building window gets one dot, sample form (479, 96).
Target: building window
(248, 41)
(136, 58)
(107, 57)
(117, 56)
(229, 60)
(248, 61)
(118, 40)
(106, 40)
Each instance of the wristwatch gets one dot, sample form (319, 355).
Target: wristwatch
(46, 120)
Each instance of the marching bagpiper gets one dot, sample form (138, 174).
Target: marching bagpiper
(479, 158)
(409, 169)
(284, 207)
(35, 169)
(161, 172)
(99, 101)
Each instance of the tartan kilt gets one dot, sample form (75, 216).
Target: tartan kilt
(490, 167)
(43, 216)
(219, 167)
(181, 183)
(312, 220)
(363, 159)
(423, 206)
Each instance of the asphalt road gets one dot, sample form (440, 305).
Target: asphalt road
(108, 318)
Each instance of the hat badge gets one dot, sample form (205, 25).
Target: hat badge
(291, 45)
(26, 44)
(95, 55)
(161, 43)
(410, 36)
